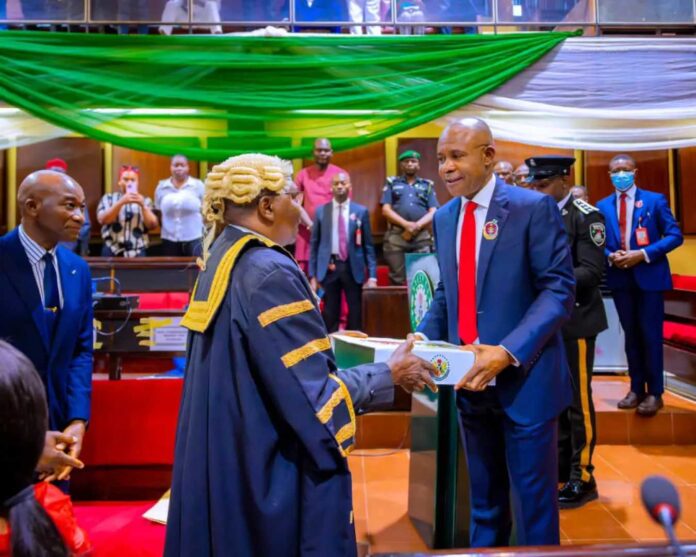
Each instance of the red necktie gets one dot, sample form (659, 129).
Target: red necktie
(468, 331)
(622, 220)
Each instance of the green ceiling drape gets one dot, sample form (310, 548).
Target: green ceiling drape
(250, 93)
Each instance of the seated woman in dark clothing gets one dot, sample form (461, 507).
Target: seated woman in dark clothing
(34, 519)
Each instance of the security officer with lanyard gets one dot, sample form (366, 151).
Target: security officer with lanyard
(408, 203)
(586, 236)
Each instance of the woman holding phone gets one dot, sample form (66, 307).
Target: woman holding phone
(126, 216)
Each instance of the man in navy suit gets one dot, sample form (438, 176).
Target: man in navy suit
(506, 288)
(641, 231)
(45, 299)
(340, 249)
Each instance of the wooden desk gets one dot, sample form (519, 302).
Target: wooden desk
(385, 314)
(680, 359)
(118, 337)
(385, 311)
(146, 274)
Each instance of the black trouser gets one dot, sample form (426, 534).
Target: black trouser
(337, 281)
(192, 248)
(577, 431)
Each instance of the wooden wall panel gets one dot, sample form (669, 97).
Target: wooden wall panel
(427, 147)
(516, 153)
(85, 164)
(153, 168)
(686, 170)
(653, 172)
(367, 169)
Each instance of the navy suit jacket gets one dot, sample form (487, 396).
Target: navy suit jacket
(525, 290)
(359, 256)
(663, 234)
(65, 364)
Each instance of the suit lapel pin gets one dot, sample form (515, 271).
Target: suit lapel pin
(490, 230)
(639, 203)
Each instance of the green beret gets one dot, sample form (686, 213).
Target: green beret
(411, 154)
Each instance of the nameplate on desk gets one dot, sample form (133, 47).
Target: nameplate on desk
(162, 334)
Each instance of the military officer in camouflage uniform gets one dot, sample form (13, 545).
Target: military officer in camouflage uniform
(408, 203)
(586, 236)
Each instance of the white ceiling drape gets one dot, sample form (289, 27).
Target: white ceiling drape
(627, 94)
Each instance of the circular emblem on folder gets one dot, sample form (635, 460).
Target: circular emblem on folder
(442, 367)
(490, 230)
(421, 296)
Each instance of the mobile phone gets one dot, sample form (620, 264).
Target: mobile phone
(132, 187)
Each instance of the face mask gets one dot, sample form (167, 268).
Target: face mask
(623, 180)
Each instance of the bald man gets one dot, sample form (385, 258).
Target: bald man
(507, 287)
(503, 170)
(46, 298)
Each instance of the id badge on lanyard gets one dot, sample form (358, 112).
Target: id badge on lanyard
(642, 238)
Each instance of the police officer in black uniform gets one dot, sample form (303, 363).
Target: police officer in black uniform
(586, 236)
(408, 203)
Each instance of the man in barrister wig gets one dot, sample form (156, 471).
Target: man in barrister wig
(586, 231)
(266, 419)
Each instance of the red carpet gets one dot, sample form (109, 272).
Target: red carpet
(117, 529)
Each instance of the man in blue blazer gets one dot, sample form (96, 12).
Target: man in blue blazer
(506, 288)
(341, 249)
(45, 299)
(641, 231)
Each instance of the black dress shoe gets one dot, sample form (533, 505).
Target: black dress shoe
(576, 493)
(630, 401)
(650, 405)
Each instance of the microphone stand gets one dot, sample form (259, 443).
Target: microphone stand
(665, 518)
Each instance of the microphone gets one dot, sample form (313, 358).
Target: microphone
(661, 500)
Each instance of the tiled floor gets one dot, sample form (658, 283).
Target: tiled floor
(674, 424)
(380, 491)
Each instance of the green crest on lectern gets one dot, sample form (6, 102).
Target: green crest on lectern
(421, 296)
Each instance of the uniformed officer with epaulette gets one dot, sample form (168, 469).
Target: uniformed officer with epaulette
(586, 236)
(408, 204)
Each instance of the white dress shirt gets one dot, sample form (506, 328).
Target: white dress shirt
(182, 220)
(35, 255)
(483, 200)
(562, 202)
(345, 207)
(630, 204)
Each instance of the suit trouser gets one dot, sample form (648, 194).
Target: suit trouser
(335, 282)
(513, 474)
(395, 249)
(367, 11)
(642, 314)
(576, 424)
